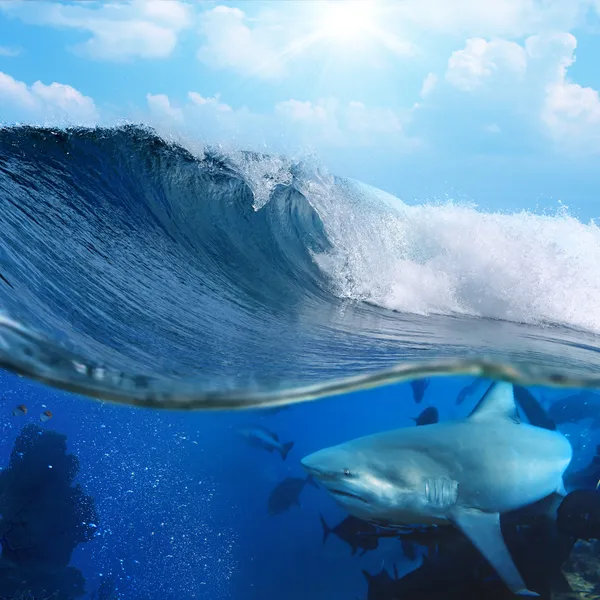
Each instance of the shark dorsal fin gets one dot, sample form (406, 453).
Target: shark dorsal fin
(497, 403)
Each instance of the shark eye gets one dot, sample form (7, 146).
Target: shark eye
(347, 472)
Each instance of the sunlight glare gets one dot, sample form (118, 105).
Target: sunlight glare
(345, 20)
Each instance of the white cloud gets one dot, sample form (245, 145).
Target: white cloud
(350, 123)
(328, 122)
(230, 43)
(429, 84)
(529, 82)
(501, 18)
(8, 51)
(304, 111)
(212, 101)
(481, 60)
(570, 111)
(56, 102)
(290, 125)
(118, 31)
(16, 92)
(265, 44)
(160, 105)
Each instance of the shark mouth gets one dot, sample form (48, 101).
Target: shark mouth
(347, 495)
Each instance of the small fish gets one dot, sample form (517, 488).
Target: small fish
(428, 417)
(45, 416)
(355, 532)
(261, 437)
(579, 515)
(287, 494)
(19, 410)
(418, 388)
(381, 586)
(468, 390)
(409, 549)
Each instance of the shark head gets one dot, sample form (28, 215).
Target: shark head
(363, 484)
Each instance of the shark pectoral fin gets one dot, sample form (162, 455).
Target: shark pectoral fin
(483, 529)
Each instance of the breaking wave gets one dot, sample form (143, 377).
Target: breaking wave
(136, 269)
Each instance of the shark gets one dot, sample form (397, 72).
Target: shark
(261, 437)
(460, 473)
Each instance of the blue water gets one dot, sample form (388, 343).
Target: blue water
(182, 500)
(152, 272)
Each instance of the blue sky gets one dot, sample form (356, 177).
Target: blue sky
(492, 102)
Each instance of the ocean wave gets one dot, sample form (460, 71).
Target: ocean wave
(136, 269)
(453, 259)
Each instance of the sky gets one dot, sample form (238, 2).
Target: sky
(494, 103)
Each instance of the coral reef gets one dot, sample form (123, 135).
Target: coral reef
(43, 517)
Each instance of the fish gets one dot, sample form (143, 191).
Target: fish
(532, 409)
(577, 407)
(462, 473)
(261, 437)
(287, 493)
(468, 390)
(579, 515)
(19, 410)
(409, 549)
(428, 417)
(457, 571)
(381, 586)
(45, 416)
(418, 389)
(355, 532)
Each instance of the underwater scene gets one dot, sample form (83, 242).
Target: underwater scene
(333, 334)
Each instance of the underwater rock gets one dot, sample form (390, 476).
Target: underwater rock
(106, 591)
(582, 571)
(44, 517)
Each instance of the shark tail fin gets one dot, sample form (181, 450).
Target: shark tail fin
(326, 529)
(285, 449)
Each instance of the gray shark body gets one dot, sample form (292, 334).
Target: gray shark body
(261, 437)
(463, 473)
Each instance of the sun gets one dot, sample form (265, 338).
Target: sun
(346, 20)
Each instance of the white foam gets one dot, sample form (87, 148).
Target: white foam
(449, 258)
